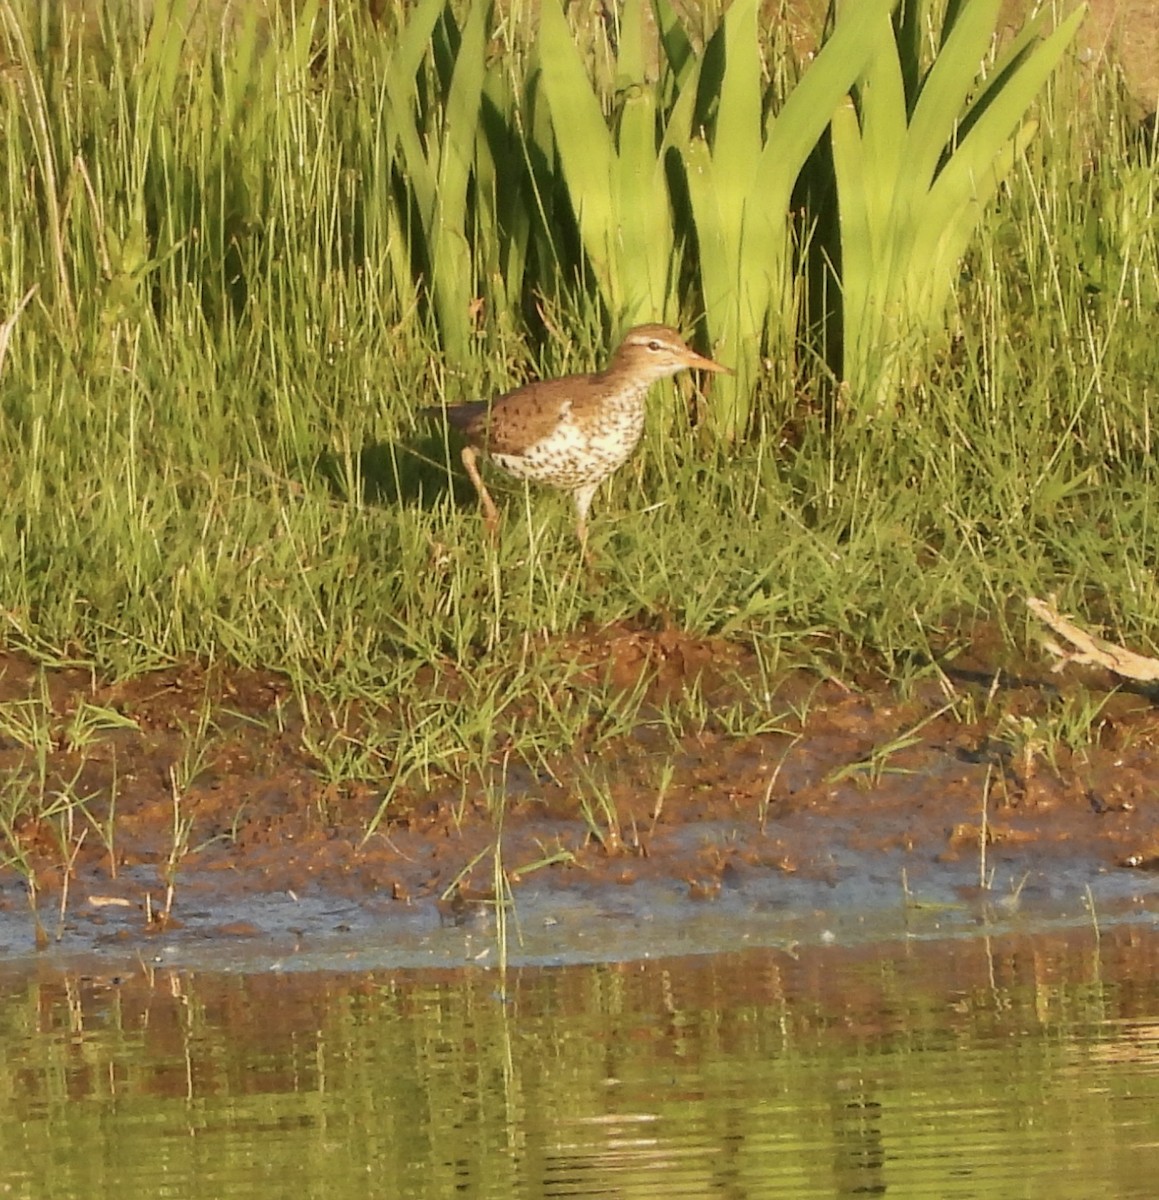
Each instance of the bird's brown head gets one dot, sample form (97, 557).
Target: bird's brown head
(656, 351)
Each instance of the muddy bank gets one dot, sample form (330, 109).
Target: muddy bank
(851, 809)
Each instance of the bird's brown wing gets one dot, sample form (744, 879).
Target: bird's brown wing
(525, 416)
(511, 423)
(520, 418)
(589, 393)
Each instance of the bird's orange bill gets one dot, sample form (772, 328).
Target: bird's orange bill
(698, 362)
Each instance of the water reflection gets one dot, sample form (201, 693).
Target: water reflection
(1020, 1066)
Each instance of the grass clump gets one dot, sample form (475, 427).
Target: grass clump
(209, 446)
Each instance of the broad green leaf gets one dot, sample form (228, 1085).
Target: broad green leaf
(737, 136)
(415, 42)
(631, 58)
(451, 259)
(935, 281)
(944, 91)
(539, 149)
(1008, 64)
(805, 113)
(678, 131)
(950, 20)
(900, 263)
(677, 47)
(584, 144)
(717, 277)
(740, 190)
(909, 26)
(504, 203)
(401, 114)
(644, 236)
(858, 238)
(882, 110)
(986, 137)
(645, 239)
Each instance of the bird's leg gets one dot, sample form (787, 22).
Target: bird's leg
(581, 531)
(490, 512)
(583, 501)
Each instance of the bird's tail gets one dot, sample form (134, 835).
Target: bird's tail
(458, 416)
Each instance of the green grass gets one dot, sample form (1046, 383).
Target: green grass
(210, 448)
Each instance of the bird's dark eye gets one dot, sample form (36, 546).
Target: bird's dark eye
(654, 345)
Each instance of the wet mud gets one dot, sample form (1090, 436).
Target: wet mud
(847, 809)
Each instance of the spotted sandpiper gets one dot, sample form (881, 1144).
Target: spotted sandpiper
(572, 432)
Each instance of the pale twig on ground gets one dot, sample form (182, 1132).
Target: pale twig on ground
(1090, 650)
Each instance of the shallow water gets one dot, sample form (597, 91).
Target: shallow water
(1017, 1065)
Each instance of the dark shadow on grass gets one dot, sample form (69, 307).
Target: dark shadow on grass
(416, 473)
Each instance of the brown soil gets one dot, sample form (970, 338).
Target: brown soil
(864, 769)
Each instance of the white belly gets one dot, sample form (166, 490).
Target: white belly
(572, 456)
